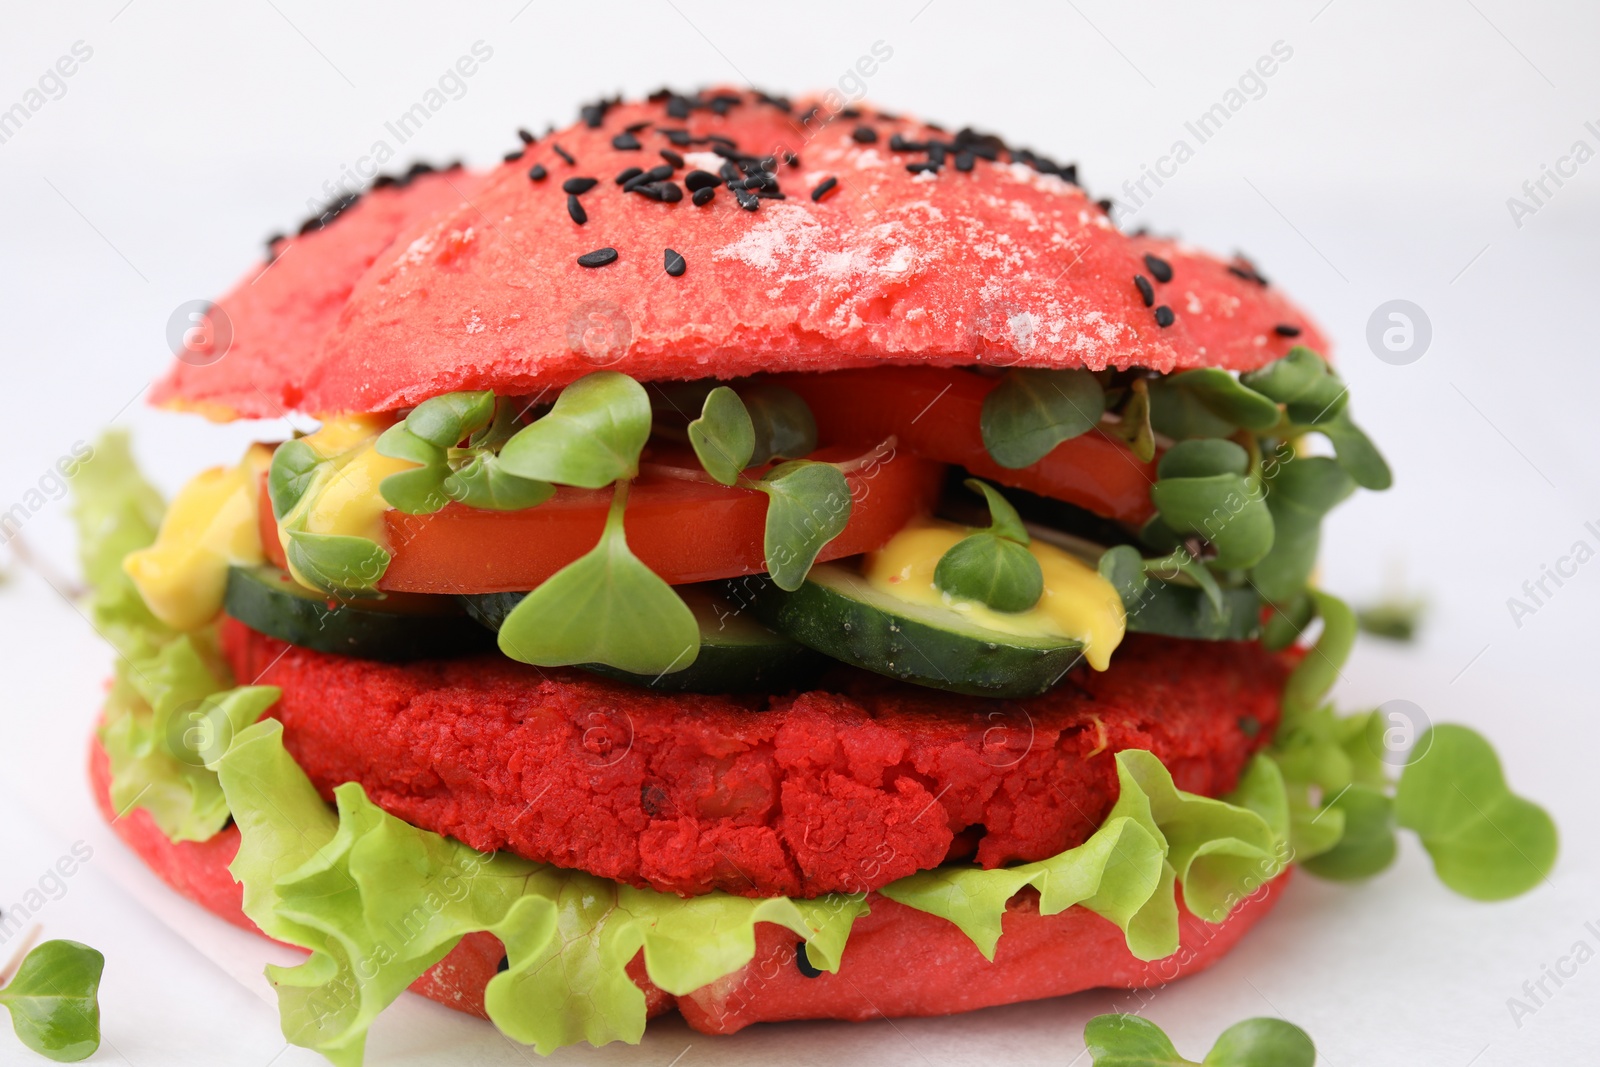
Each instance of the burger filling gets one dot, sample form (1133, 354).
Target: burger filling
(921, 541)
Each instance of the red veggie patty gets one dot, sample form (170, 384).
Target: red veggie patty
(841, 789)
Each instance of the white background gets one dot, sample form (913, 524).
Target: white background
(1376, 165)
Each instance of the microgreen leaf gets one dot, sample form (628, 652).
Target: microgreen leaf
(337, 563)
(1356, 453)
(808, 505)
(53, 1000)
(1130, 1041)
(483, 482)
(398, 442)
(1367, 845)
(1314, 675)
(1486, 842)
(1262, 1043)
(1222, 508)
(1288, 621)
(1223, 395)
(419, 491)
(1183, 563)
(1123, 567)
(590, 438)
(294, 467)
(1302, 492)
(1032, 411)
(724, 436)
(445, 420)
(1303, 383)
(992, 570)
(1133, 1041)
(604, 607)
(1003, 518)
(1133, 424)
(782, 422)
(993, 566)
(1202, 458)
(1177, 413)
(504, 425)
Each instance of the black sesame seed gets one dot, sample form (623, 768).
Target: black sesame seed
(755, 181)
(575, 209)
(824, 187)
(898, 143)
(748, 201)
(1165, 317)
(513, 155)
(1147, 292)
(703, 195)
(678, 107)
(525, 136)
(850, 113)
(935, 153)
(701, 179)
(626, 142)
(680, 138)
(654, 174)
(1158, 267)
(579, 186)
(919, 168)
(628, 175)
(964, 161)
(666, 192)
(598, 258)
(672, 157)
(674, 263)
(538, 173)
(864, 135)
(635, 127)
(804, 962)
(564, 154)
(1284, 329)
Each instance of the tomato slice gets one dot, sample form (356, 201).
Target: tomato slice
(935, 411)
(685, 531)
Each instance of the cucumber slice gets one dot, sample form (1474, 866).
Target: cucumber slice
(837, 612)
(1173, 610)
(268, 601)
(737, 654)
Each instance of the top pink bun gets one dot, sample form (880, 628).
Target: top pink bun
(928, 248)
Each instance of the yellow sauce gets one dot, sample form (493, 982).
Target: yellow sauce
(210, 526)
(212, 523)
(1077, 602)
(346, 500)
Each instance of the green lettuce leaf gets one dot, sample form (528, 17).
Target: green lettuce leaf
(1219, 851)
(169, 688)
(378, 901)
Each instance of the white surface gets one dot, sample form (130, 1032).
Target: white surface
(1376, 165)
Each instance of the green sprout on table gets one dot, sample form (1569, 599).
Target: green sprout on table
(53, 1000)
